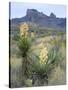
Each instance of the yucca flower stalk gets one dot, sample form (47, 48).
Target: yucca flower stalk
(43, 55)
(24, 29)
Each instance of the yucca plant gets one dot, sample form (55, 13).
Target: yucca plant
(24, 44)
(44, 64)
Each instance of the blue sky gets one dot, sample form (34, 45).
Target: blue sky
(18, 9)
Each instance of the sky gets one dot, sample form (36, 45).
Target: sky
(18, 9)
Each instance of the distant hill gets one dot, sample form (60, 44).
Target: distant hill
(39, 19)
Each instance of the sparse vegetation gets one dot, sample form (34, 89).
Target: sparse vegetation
(34, 64)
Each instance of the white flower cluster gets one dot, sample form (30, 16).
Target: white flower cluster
(43, 54)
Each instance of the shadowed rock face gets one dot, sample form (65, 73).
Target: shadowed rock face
(32, 15)
(52, 15)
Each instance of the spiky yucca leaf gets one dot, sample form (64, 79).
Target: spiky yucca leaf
(24, 45)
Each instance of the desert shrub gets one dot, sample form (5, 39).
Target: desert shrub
(49, 33)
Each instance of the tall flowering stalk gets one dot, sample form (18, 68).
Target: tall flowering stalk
(24, 29)
(43, 55)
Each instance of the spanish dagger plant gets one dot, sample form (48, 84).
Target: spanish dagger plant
(24, 44)
(45, 63)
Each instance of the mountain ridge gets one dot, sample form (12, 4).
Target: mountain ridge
(41, 19)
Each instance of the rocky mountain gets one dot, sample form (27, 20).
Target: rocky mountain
(40, 19)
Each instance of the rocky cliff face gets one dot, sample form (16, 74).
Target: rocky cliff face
(34, 16)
